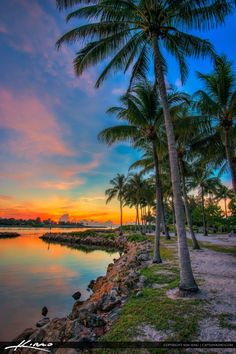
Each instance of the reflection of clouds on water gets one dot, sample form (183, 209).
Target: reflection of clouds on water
(33, 276)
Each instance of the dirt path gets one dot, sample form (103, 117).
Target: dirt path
(216, 274)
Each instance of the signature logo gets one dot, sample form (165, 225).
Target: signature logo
(36, 346)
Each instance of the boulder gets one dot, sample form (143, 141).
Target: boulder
(109, 302)
(43, 322)
(90, 319)
(77, 295)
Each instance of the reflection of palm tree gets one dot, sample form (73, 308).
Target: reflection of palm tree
(130, 34)
(117, 190)
(49, 246)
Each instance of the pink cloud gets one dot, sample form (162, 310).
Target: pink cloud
(3, 28)
(63, 186)
(36, 126)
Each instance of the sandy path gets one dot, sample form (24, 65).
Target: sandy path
(216, 274)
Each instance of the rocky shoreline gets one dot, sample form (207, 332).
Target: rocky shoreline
(8, 234)
(93, 317)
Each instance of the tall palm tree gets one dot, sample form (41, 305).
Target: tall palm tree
(218, 100)
(189, 128)
(130, 33)
(117, 191)
(142, 111)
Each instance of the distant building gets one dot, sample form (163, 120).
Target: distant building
(64, 218)
(93, 223)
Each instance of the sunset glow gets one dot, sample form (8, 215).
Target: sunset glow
(51, 161)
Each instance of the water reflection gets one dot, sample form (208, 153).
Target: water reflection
(34, 274)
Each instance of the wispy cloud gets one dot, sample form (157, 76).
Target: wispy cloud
(34, 127)
(118, 91)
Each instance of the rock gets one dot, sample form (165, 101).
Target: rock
(143, 257)
(142, 279)
(108, 302)
(77, 295)
(43, 322)
(91, 320)
(44, 311)
(232, 234)
(24, 335)
(114, 314)
(88, 306)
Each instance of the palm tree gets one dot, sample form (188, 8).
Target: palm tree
(223, 192)
(207, 183)
(218, 100)
(131, 33)
(117, 190)
(189, 129)
(146, 164)
(134, 194)
(142, 111)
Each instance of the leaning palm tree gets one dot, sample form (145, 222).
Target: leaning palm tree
(130, 33)
(218, 100)
(117, 191)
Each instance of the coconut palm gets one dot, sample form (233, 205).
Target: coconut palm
(223, 192)
(134, 194)
(204, 180)
(142, 111)
(146, 165)
(218, 100)
(132, 33)
(189, 129)
(117, 191)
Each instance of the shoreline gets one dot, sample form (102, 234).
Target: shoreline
(94, 317)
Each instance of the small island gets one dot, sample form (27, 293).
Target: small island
(9, 234)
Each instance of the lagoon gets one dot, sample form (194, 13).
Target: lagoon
(34, 274)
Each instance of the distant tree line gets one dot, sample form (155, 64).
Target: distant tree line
(4, 222)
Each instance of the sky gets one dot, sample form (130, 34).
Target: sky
(51, 162)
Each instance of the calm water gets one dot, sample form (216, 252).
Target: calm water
(34, 274)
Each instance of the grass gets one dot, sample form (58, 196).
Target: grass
(154, 308)
(136, 238)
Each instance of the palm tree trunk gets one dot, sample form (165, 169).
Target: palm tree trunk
(166, 231)
(205, 232)
(230, 157)
(226, 211)
(121, 218)
(187, 281)
(173, 215)
(137, 211)
(186, 206)
(157, 256)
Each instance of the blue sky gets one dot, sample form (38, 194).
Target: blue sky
(51, 161)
